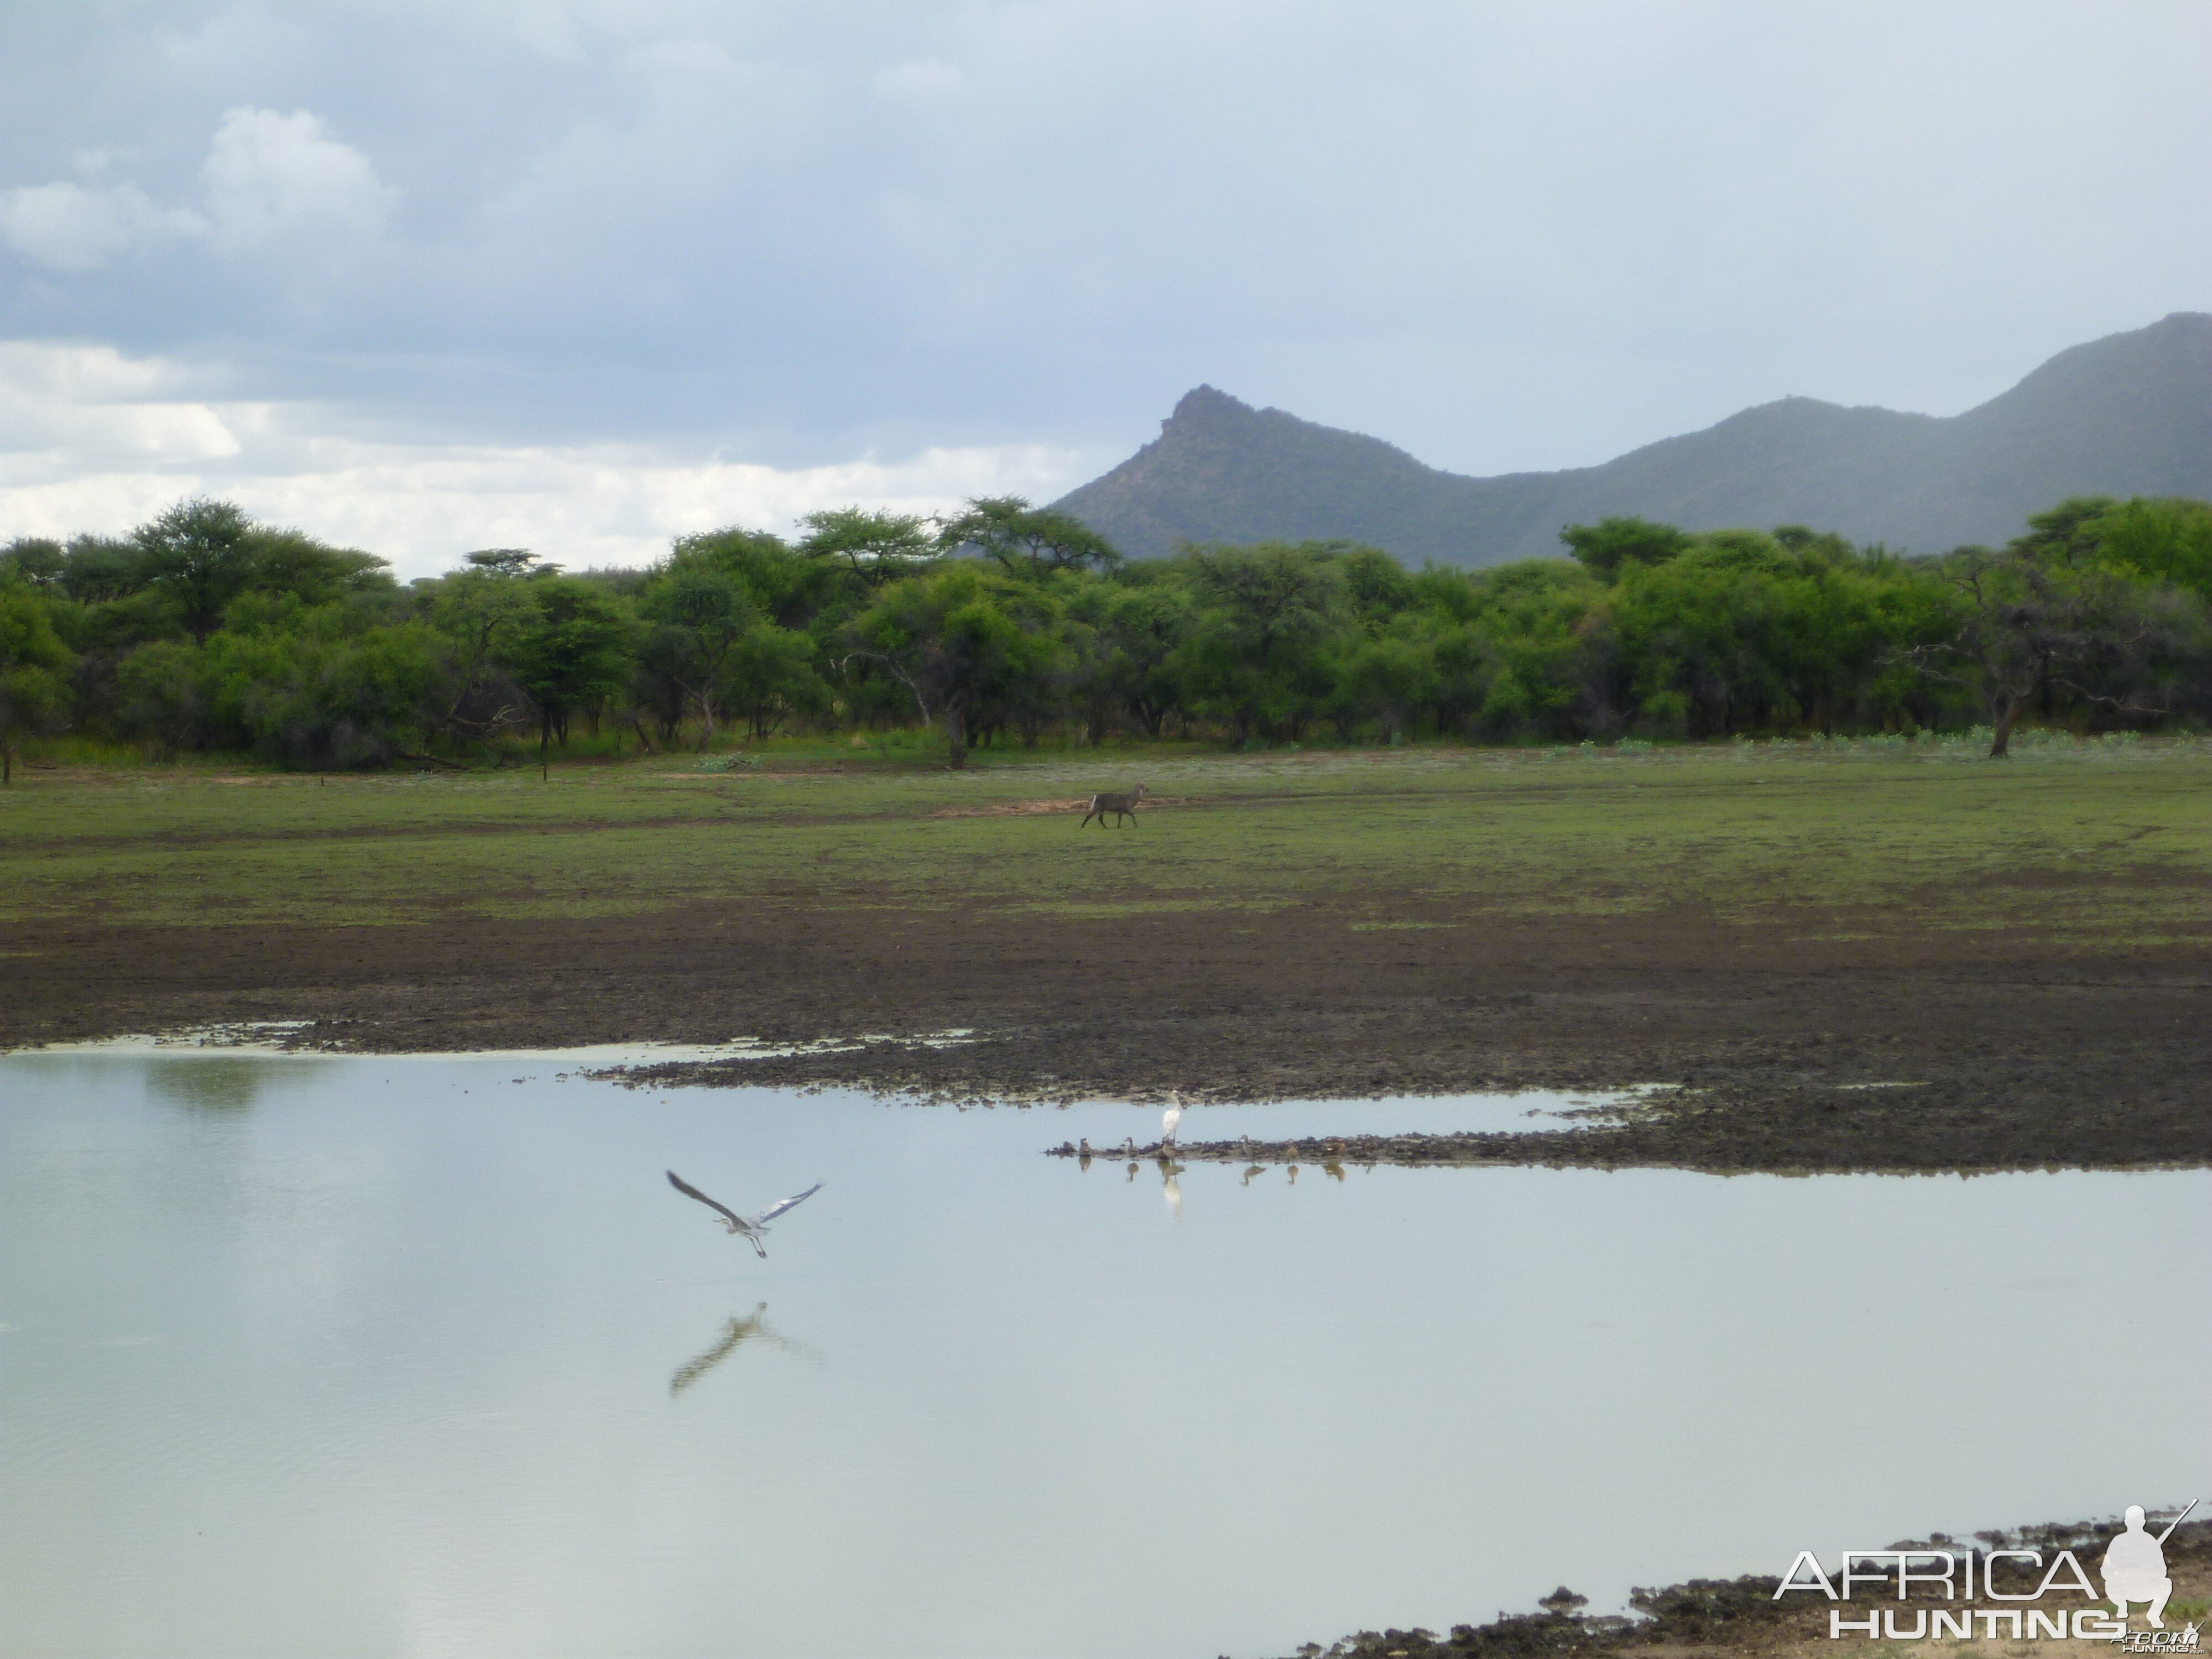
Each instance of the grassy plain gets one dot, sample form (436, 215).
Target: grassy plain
(2086, 847)
(1865, 956)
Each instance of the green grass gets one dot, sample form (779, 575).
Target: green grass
(2093, 846)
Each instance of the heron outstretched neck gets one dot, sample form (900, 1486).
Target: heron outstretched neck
(750, 1227)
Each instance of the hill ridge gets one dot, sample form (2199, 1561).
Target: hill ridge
(2128, 414)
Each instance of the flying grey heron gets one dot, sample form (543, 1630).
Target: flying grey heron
(750, 1227)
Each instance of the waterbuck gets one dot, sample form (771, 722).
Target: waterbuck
(1122, 806)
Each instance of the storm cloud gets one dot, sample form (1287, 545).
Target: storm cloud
(584, 275)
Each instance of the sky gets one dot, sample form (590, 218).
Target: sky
(425, 276)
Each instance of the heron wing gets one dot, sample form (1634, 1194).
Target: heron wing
(775, 1210)
(689, 1191)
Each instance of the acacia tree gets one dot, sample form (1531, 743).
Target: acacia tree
(293, 563)
(2164, 539)
(1255, 652)
(699, 613)
(570, 651)
(1024, 540)
(201, 551)
(161, 697)
(2026, 621)
(957, 639)
(37, 561)
(510, 561)
(96, 569)
(1534, 648)
(1605, 547)
(786, 585)
(480, 608)
(770, 676)
(205, 554)
(1689, 633)
(875, 547)
(1124, 652)
(1385, 681)
(34, 665)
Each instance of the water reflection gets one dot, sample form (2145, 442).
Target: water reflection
(207, 1083)
(736, 1333)
(1171, 1189)
(380, 1381)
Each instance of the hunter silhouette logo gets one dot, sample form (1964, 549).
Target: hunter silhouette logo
(2135, 1567)
(2133, 1571)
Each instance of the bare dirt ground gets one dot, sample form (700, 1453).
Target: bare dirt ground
(2015, 1056)
(1741, 1615)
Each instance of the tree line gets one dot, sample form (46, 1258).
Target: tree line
(204, 630)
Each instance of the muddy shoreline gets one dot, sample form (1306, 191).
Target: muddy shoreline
(1793, 1044)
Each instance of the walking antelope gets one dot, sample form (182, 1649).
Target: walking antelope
(1122, 806)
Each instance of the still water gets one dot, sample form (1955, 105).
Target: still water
(362, 1356)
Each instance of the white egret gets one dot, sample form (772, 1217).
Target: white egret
(1173, 1117)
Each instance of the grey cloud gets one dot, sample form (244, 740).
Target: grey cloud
(271, 176)
(1505, 235)
(67, 226)
(268, 177)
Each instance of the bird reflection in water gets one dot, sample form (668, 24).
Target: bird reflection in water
(736, 1333)
(1250, 1173)
(1332, 1169)
(1171, 1188)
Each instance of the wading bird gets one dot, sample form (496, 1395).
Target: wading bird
(749, 1228)
(1173, 1117)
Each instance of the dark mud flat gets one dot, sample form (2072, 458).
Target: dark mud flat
(2018, 1056)
(1741, 1615)
(1785, 1127)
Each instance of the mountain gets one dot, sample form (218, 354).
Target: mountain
(2128, 414)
